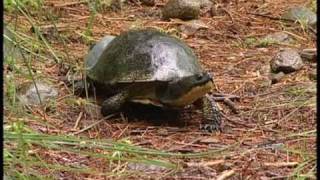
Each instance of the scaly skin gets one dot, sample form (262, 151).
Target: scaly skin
(114, 103)
(211, 114)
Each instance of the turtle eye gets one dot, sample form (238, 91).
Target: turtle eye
(199, 77)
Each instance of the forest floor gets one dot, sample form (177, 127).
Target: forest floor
(273, 135)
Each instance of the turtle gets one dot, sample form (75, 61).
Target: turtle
(148, 66)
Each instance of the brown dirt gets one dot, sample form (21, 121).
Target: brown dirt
(267, 113)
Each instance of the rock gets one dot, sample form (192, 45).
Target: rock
(279, 37)
(309, 54)
(192, 26)
(286, 60)
(28, 95)
(182, 9)
(276, 77)
(148, 2)
(302, 14)
(145, 167)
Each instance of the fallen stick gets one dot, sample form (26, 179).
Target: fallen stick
(226, 98)
(78, 120)
(226, 174)
(231, 105)
(210, 163)
(281, 19)
(92, 125)
(229, 96)
(281, 164)
(237, 122)
(69, 4)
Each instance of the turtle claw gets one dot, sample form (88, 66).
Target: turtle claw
(212, 116)
(79, 87)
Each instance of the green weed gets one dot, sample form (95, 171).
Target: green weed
(10, 5)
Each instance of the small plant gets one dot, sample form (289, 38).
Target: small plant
(265, 42)
(249, 42)
(102, 5)
(10, 5)
(10, 91)
(119, 154)
(313, 5)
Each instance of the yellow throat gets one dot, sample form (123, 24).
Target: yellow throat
(194, 94)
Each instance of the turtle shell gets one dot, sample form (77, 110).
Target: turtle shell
(141, 55)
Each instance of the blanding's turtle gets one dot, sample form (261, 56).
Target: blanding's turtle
(150, 67)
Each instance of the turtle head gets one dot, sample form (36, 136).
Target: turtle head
(184, 91)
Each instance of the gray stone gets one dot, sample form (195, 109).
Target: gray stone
(28, 95)
(279, 37)
(302, 14)
(145, 167)
(182, 9)
(287, 61)
(148, 2)
(192, 26)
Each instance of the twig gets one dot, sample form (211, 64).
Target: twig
(69, 4)
(231, 105)
(226, 98)
(47, 28)
(293, 111)
(281, 19)
(94, 124)
(281, 164)
(227, 102)
(268, 16)
(180, 22)
(295, 36)
(229, 14)
(78, 120)
(226, 174)
(210, 163)
(121, 133)
(229, 96)
(236, 122)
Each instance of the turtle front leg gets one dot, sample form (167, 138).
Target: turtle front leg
(211, 113)
(80, 86)
(114, 103)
